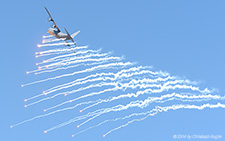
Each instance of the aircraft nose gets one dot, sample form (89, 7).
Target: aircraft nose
(50, 31)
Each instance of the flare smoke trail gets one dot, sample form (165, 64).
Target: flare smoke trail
(98, 84)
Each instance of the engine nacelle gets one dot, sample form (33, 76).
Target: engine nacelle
(66, 44)
(50, 19)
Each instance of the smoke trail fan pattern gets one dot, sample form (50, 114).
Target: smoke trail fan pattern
(104, 84)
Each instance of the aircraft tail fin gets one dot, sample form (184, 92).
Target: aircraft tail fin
(75, 34)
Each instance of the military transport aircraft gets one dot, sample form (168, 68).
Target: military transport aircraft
(55, 31)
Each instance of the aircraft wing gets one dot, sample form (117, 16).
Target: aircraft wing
(70, 37)
(69, 46)
(51, 19)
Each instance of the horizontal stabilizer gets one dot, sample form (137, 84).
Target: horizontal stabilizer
(75, 34)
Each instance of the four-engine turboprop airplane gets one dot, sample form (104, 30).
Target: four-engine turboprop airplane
(55, 31)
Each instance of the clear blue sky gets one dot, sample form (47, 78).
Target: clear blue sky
(184, 38)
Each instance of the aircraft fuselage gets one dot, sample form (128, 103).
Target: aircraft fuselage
(56, 33)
